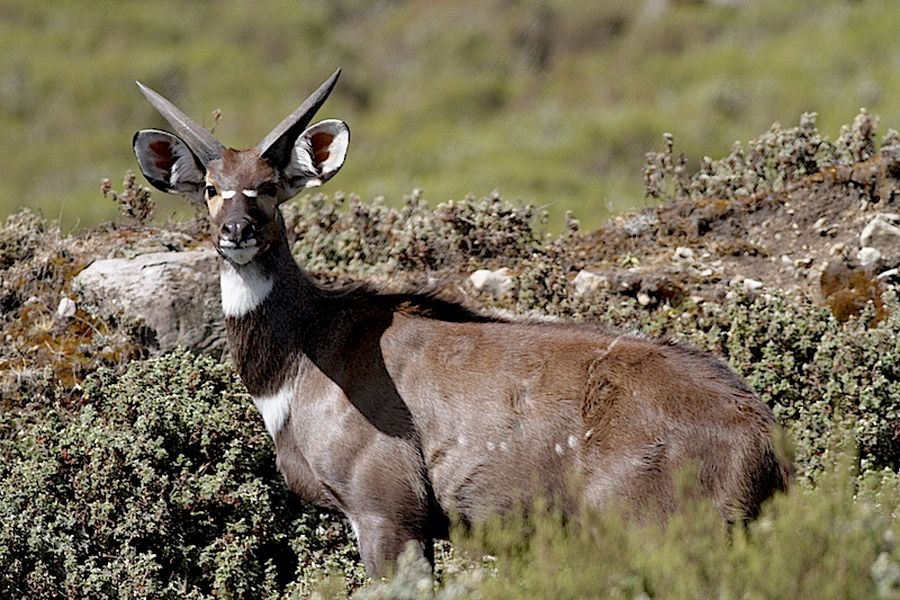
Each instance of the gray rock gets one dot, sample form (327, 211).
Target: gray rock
(66, 308)
(868, 256)
(752, 285)
(495, 283)
(683, 253)
(587, 282)
(880, 227)
(174, 294)
(881, 233)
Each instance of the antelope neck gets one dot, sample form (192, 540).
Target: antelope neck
(267, 304)
(246, 287)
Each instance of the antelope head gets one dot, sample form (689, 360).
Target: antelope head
(243, 188)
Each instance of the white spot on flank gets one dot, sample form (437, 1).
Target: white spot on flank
(249, 193)
(243, 289)
(588, 433)
(503, 447)
(275, 408)
(573, 441)
(490, 446)
(461, 441)
(559, 449)
(228, 194)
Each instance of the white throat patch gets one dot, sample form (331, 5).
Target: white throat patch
(275, 409)
(243, 289)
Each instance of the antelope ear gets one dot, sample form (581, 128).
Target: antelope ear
(168, 163)
(317, 155)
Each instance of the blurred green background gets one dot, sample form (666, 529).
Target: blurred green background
(551, 101)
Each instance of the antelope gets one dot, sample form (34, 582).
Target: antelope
(410, 413)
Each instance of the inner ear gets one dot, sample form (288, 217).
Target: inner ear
(163, 156)
(321, 146)
(168, 163)
(318, 154)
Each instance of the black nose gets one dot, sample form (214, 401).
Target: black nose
(237, 231)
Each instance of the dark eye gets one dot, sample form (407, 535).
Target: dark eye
(267, 189)
(210, 191)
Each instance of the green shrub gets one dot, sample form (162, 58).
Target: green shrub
(345, 234)
(838, 541)
(162, 484)
(771, 162)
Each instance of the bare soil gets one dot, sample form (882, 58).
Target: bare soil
(784, 240)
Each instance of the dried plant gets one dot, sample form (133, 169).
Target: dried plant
(134, 201)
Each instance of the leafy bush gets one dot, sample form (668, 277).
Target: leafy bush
(839, 540)
(769, 163)
(161, 485)
(39, 350)
(836, 540)
(340, 233)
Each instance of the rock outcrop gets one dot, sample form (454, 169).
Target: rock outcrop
(175, 295)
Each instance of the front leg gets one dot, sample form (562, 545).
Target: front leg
(381, 540)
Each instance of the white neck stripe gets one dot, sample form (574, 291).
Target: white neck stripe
(249, 193)
(228, 194)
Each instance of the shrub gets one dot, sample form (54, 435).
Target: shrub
(838, 540)
(134, 201)
(769, 163)
(40, 351)
(340, 233)
(161, 485)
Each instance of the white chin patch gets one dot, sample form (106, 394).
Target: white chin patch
(239, 256)
(244, 288)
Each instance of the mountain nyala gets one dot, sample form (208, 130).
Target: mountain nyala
(408, 412)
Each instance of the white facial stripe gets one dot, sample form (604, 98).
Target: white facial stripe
(243, 289)
(249, 193)
(228, 194)
(275, 408)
